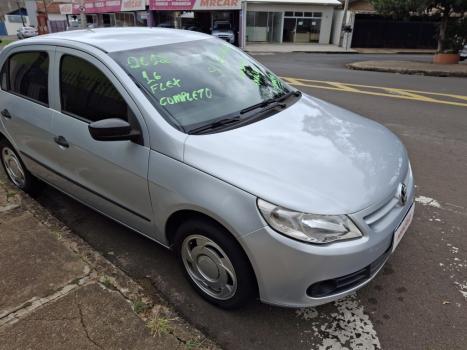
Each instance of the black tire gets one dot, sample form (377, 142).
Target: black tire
(31, 184)
(246, 285)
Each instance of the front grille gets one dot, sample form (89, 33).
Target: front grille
(380, 213)
(341, 284)
(385, 215)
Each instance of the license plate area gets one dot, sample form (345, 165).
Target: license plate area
(402, 229)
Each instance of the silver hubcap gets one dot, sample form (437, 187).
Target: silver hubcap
(13, 167)
(209, 267)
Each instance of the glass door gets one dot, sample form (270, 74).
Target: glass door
(290, 27)
(303, 34)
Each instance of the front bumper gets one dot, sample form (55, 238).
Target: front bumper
(287, 270)
(229, 39)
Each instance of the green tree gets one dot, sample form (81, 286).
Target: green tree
(452, 13)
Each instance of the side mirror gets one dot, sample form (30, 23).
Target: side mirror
(112, 129)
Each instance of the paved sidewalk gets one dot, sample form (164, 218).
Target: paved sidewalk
(56, 292)
(395, 51)
(283, 48)
(412, 67)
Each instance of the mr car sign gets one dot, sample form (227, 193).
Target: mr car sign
(195, 4)
(133, 5)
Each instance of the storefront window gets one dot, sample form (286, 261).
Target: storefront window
(107, 20)
(141, 19)
(125, 19)
(264, 26)
(91, 20)
(302, 28)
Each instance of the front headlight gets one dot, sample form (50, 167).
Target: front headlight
(308, 228)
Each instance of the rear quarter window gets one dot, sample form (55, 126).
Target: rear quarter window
(27, 74)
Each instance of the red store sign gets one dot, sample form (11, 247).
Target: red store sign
(97, 6)
(186, 5)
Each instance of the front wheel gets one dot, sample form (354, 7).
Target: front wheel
(215, 264)
(16, 171)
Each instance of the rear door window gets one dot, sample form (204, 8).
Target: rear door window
(86, 93)
(28, 75)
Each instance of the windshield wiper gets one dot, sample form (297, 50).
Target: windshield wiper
(215, 125)
(236, 118)
(270, 101)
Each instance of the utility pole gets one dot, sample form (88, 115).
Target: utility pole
(46, 18)
(20, 12)
(82, 13)
(344, 22)
(45, 9)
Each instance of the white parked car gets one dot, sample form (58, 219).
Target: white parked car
(223, 30)
(26, 32)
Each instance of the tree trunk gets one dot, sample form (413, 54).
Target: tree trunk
(442, 30)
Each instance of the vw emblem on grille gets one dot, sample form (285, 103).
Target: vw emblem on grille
(402, 194)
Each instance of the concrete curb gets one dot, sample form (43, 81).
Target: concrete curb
(410, 71)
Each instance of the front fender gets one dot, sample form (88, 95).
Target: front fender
(175, 186)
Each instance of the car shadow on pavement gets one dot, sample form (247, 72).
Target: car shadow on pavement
(157, 270)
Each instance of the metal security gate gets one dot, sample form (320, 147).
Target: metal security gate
(372, 31)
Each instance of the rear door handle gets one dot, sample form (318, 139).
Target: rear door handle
(6, 114)
(61, 141)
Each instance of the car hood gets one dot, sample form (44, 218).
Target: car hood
(312, 157)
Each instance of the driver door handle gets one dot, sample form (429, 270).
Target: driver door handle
(61, 141)
(6, 114)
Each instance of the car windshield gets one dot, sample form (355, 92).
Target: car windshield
(195, 83)
(222, 26)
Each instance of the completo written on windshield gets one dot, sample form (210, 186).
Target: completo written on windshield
(196, 81)
(146, 66)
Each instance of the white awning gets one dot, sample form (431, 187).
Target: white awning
(301, 2)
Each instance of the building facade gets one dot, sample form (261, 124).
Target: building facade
(296, 21)
(16, 19)
(251, 21)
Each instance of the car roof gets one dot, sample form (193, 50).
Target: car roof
(119, 39)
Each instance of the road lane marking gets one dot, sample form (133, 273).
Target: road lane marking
(349, 327)
(406, 94)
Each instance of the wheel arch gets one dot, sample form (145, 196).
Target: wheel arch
(180, 216)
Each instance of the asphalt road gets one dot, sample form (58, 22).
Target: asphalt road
(419, 300)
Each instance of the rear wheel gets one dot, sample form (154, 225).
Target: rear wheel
(16, 171)
(215, 264)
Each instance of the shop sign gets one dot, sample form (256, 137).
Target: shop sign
(97, 6)
(187, 5)
(66, 9)
(133, 5)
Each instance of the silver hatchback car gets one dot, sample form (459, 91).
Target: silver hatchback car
(258, 188)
